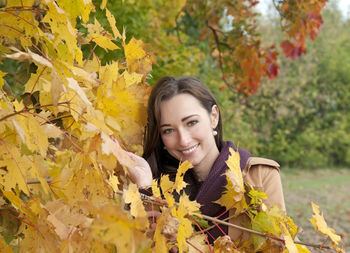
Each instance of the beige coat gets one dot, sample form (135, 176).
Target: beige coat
(262, 174)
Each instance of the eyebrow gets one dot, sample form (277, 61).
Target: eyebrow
(182, 120)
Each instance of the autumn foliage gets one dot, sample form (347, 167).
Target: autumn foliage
(63, 173)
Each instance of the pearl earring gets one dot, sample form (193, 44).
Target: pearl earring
(164, 148)
(215, 133)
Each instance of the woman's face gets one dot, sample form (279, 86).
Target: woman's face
(186, 129)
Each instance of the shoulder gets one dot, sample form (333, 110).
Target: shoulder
(258, 171)
(261, 163)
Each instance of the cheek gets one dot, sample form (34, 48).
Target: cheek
(168, 141)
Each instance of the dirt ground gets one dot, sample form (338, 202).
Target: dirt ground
(330, 190)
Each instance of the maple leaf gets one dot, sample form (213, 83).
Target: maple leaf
(185, 207)
(167, 189)
(111, 21)
(179, 183)
(109, 146)
(132, 196)
(104, 42)
(234, 193)
(159, 239)
(320, 224)
(126, 104)
(292, 50)
(29, 56)
(292, 248)
(197, 242)
(155, 189)
(224, 244)
(135, 55)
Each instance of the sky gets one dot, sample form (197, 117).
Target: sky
(344, 6)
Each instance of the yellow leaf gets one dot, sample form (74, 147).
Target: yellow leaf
(167, 188)
(132, 196)
(109, 146)
(159, 238)
(234, 194)
(111, 21)
(103, 4)
(20, 56)
(320, 224)
(109, 74)
(110, 121)
(57, 87)
(134, 51)
(52, 131)
(155, 189)
(35, 136)
(104, 42)
(235, 174)
(127, 105)
(302, 249)
(39, 79)
(179, 183)
(113, 180)
(199, 242)
(185, 207)
(185, 230)
(133, 78)
(292, 248)
(73, 84)
(224, 244)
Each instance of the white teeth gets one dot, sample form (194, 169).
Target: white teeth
(189, 150)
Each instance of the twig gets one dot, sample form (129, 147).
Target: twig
(29, 109)
(91, 52)
(217, 41)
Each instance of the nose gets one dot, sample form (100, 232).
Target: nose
(184, 138)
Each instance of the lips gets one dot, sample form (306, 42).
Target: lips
(190, 150)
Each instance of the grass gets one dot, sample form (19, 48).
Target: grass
(330, 190)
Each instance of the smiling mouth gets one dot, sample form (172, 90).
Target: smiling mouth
(190, 150)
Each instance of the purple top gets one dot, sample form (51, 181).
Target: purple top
(213, 187)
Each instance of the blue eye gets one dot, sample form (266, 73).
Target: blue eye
(192, 122)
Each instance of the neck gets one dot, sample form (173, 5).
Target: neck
(202, 169)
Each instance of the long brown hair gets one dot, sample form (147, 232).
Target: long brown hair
(159, 159)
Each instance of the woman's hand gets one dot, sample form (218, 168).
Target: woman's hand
(140, 174)
(138, 168)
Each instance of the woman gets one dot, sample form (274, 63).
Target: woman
(184, 123)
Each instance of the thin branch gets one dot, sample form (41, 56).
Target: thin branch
(23, 8)
(217, 41)
(29, 109)
(91, 52)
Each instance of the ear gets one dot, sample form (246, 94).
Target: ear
(214, 116)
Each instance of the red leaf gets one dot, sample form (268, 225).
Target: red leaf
(291, 50)
(272, 70)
